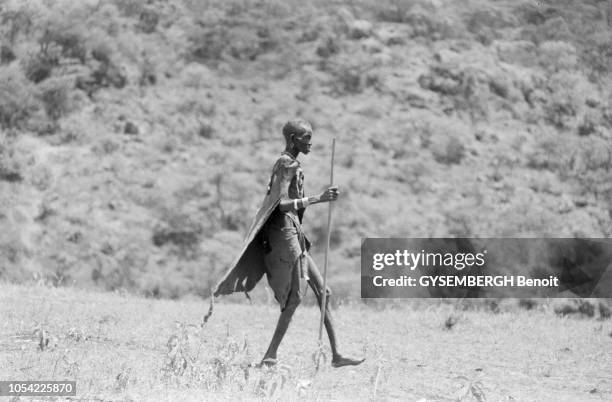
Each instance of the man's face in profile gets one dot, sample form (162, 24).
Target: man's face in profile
(303, 141)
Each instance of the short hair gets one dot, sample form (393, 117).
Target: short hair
(295, 126)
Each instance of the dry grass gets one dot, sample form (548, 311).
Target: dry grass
(120, 347)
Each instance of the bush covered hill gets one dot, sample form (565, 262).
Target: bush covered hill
(138, 136)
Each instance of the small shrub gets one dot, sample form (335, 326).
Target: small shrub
(42, 125)
(484, 34)
(328, 47)
(597, 55)
(427, 25)
(180, 231)
(607, 116)
(17, 100)
(309, 35)
(450, 322)
(549, 154)
(196, 105)
(105, 147)
(443, 79)
(463, 87)
(494, 19)
(423, 17)
(196, 75)
(472, 388)
(72, 128)
(104, 73)
(450, 152)
(6, 54)
(9, 173)
(531, 14)
(104, 76)
(148, 73)
(555, 56)
(575, 306)
(113, 76)
(210, 44)
(485, 25)
(517, 52)
(393, 10)
(16, 21)
(249, 44)
(355, 79)
(207, 45)
(69, 40)
(566, 99)
(587, 308)
(39, 67)
(593, 154)
(560, 112)
(586, 127)
(102, 52)
(55, 97)
(527, 304)
(148, 21)
(360, 29)
(350, 80)
(130, 8)
(108, 19)
(206, 131)
(554, 29)
(130, 128)
(267, 38)
(499, 86)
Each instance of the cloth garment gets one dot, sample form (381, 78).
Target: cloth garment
(285, 257)
(275, 243)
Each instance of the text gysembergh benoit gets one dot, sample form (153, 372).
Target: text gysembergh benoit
(405, 259)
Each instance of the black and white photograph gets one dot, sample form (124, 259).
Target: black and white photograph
(282, 200)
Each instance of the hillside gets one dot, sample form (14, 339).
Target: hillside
(138, 136)
(434, 353)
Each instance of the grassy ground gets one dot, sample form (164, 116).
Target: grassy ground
(119, 347)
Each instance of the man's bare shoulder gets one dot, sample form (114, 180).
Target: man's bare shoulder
(286, 162)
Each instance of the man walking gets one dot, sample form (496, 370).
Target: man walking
(276, 244)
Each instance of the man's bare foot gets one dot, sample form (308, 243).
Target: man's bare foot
(268, 362)
(340, 361)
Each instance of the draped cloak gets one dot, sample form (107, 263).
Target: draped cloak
(248, 267)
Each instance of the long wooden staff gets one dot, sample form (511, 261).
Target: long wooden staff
(329, 215)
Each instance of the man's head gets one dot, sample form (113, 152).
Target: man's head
(298, 135)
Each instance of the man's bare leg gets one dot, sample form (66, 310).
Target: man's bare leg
(284, 320)
(281, 328)
(316, 283)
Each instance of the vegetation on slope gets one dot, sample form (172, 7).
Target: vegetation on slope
(138, 136)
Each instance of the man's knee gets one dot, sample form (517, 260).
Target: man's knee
(320, 291)
(293, 301)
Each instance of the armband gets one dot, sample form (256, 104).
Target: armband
(299, 203)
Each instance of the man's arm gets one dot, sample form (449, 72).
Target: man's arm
(293, 204)
(285, 171)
